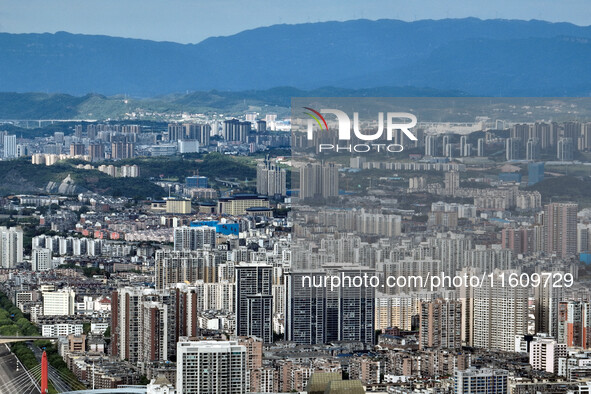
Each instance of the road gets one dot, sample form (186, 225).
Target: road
(12, 370)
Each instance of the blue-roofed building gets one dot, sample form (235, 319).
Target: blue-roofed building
(585, 258)
(220, 228)
(535, 173)
(197, 181)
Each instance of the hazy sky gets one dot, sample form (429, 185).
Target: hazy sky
(190, 21)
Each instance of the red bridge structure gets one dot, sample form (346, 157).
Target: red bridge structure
(44, 389)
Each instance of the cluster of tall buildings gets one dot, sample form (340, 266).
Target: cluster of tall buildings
(194, 238)
(236, 130)
(73, 246)
(320, 289)
(143, 325)
(189, 131)
(360, 221)
(442, 146)
(318, 314)
(125, 171)
(95, 142)
(556, 233)
(178, 266)
(98, 142)
(271, 179)
(527, 141)
(319, 180)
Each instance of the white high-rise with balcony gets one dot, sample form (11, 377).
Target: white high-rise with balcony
(41, 259)
(9, 146)
(211, 367)
(11, 246)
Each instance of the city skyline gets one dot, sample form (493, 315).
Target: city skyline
(212, 284)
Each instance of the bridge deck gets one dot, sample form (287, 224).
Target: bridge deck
(9, 339)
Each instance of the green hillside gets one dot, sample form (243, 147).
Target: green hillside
(21, 176)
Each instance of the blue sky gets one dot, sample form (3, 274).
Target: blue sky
(190, 21)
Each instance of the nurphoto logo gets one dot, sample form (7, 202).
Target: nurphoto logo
(402, 121)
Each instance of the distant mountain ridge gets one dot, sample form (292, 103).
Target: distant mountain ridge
(479, 57)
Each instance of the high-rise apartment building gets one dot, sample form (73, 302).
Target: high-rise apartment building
(583, 237)
(254, 300)
(261, 126)
(440, 324)
(177, 266)
(499, 314)
(489, 259)
(546, 299)
(463, 146)
(125, 323)
(574, 323)
(543, 132)
(450, 249)
(41, 259)
(480, 147)
(520, 131)
(565, 149)
(572, 130)
(122, 150)
(143, 325)
(445, 146)
(91, 131)
(9, 146)
(319, 314)
(319, 180)
(193, 238)
(96, 152)
(512, 149)
(518, 240)
(78, 131)
(157, 331)
(452, 182)
(395, 311)
(176, 132)
(11, 246)
(544, 353)
(199, 132)
(560, 229)
(211, 367)
(271, 179)
(235, 130)
(532, 151)
(431, 145)
(77, 149)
